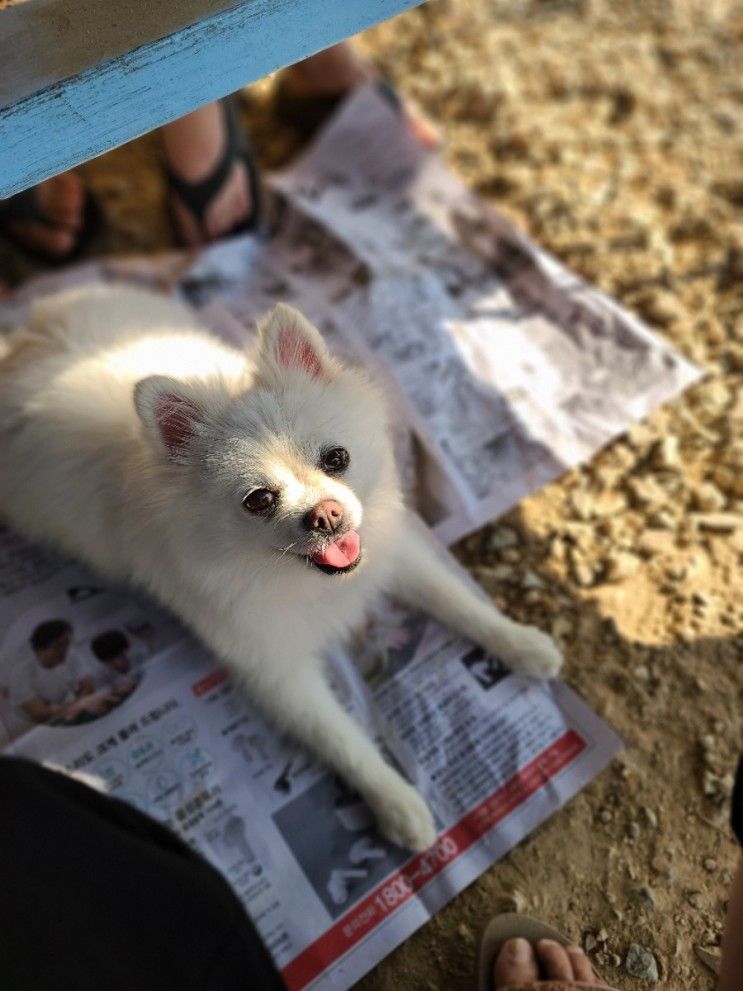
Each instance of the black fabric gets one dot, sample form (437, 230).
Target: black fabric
(95, 896)
(736, 812)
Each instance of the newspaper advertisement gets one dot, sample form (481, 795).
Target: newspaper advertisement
(502, 370)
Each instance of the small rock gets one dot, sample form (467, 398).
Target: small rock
(695, 899)
(605, 816)
(501, 538)
(583, 572)
(710, 956)
(614, 960)
(717, 522)
(642, 673)
(659, 306)
(663, 519)
(665, 452)
(715, 397)
(718, 787)
(609, 504)
(729, 480)
(589, 942)
(708, 497)
(562, 627)
(676, 573)
(557, 548)
(707, 742)
(710, 865)
(511, 901)
(581, 504)
(641, 963)
(531, 580)
(651, 817)
(640, 437)
(645, 895)
(656, 542)
(602, 936)
(619, 565)
(498, 573)
(647, 493)
(634, 830)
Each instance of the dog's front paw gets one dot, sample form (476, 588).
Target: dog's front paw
(404, 818)
(533, 652)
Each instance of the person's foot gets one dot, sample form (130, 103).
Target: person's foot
(60, 202)
(520, 963)
(194, 147)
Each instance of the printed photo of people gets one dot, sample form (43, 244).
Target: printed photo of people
(56, 677)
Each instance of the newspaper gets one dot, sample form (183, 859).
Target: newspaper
(494, 754)
(502, 370)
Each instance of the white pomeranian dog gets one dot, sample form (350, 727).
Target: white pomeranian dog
(255, 495)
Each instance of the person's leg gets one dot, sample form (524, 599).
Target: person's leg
(194, 147)
(59, 202)
(310, 91)
(335, 71)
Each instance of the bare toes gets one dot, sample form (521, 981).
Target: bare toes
(516, 963)
(582, 969)
(555, 961)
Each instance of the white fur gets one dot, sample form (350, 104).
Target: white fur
(86, 390)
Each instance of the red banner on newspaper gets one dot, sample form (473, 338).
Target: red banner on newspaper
(405, 883)
(204, 685)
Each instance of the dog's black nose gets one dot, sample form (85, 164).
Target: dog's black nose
(325, 517)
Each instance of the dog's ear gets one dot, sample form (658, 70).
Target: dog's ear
(172, 413)
(289, 343)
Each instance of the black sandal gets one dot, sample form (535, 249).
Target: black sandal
(197, 196)
(25, 206)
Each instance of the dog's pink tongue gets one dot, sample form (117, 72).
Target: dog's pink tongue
(341, 553)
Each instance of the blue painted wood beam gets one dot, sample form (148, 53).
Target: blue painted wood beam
(108, 104)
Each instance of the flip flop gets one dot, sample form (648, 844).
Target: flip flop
(511, 925)
(305, 115)
(197, 196)
(25, 206)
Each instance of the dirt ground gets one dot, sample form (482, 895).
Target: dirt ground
(612, 133)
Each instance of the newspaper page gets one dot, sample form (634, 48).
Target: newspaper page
(163, 728)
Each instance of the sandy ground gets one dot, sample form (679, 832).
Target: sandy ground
(612, 133)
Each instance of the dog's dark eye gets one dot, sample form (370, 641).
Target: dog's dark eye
(335, 460)
(260, 501)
